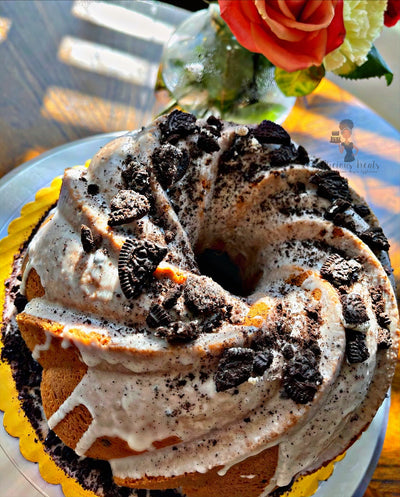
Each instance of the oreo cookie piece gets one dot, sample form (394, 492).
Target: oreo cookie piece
(270, 132)
(384, 339)
(235, 367)
(179, 332)
(337, 207)
(203, 297)
(157, 317)
(178, 125)
(375, 239)
(172, 298)
(170, 164)
(137, 261)
(354, 310)
(331, 185)
(302, 155)
(282, 156)
(87, 239)
(340, 271)
(93, 189)
(215, 122)
(127, 206)
(207, 143)
(301, 378)
(362, 210)
(262, 361)
(356, 348)
(135, 175)
(20, 302)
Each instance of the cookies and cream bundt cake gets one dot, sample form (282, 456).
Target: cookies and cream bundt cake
(211, 308)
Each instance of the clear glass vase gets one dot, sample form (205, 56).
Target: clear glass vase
(206, 72)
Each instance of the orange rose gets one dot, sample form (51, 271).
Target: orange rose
(292, 34)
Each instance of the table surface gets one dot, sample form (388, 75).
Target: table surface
(71, 69)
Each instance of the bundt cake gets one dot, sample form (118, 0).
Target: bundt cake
(211, 308)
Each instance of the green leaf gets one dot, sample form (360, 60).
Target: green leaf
(374, 66)
(299, 83)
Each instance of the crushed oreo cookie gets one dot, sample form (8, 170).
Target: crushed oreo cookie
(331, 185)
(340, 271)
(20, 302)
(93, 189)
(88, 242)
(262, 361)
(375, 239)
(172, 298)
(215, 122)
(356, 348)
(127, 206)
(179, 332)
(207, 143)
(384, 339)
(270, 132)
(203, 297)
(338, 206)
(157, 316)
(135, 175)
(302, 155)
(354, 309)
(178, 125)
(362, 210)
(301, 378)
(235, 367)
(170, 164)
(137, 261)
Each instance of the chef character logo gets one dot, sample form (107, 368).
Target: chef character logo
(344, 139)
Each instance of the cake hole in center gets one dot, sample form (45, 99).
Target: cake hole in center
(219, 266)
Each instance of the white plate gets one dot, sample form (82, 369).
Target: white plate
(351, 476)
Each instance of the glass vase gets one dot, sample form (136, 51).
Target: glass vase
(206, 71)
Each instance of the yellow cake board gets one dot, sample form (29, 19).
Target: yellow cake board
(15, 422)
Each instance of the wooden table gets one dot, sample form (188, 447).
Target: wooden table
(70, 71)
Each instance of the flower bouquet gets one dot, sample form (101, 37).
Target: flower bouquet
(248, 59)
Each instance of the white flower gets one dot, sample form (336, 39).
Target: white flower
(363, 20)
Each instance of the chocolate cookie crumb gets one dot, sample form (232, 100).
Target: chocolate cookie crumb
(384, 339)
(93, 189)
(20, 302)
(302, 155)
(157, 317)
(127, 206)
(354, 310)
(270, 132)
(215, 122)
(178, 125)
(287, 351)
(179, 332)
(331, 185)
(202, 296)
(135, 176)
(172, 298)
(235, 367)
(362, 210)
(207, 143)
(375, 239)
(301, 378)
(356, 348)
(137, 261)
(337, 207)
(340, 271)
(87, 240)
(167, 161)
(262, 361)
